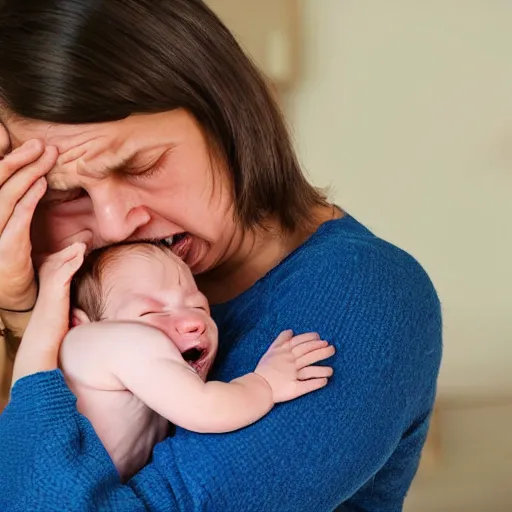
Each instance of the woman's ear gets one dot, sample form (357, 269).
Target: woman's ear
(79, 317)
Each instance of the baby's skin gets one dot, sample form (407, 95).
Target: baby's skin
(145, 363)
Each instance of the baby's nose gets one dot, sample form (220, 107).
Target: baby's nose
(190, 324)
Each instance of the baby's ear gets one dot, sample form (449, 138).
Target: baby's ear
(79, 317)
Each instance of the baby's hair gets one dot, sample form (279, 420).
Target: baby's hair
(88, 292)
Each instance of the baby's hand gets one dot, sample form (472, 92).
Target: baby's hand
(50, 319)
(49, 323)
(286, 365)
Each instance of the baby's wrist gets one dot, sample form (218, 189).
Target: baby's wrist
(30, 361)
(264, 383)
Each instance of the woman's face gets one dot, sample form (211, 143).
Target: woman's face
(148, 176)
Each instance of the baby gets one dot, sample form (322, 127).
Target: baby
(141, 345)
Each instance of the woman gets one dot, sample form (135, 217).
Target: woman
(136, 120)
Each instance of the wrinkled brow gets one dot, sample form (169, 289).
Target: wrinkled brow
(58, 176)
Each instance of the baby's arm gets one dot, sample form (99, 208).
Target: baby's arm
(143, 360)
(49, 322)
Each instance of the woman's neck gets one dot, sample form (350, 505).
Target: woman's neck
(258, 252)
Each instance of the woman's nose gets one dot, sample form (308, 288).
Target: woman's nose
(117, 217)
(189, 324)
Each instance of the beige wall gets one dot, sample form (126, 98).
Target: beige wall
(267, 30)
(405, 107)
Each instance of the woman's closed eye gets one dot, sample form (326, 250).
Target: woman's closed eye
(147, 170)
(143, 174)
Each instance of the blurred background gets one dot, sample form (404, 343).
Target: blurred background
(404, 109)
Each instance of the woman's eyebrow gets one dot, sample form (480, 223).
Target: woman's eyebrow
(60, 175)
(101, 170)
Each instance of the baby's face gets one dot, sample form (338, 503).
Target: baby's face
(155, 287)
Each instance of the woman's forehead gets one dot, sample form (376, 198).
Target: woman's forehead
(64, 136)
(96, 150)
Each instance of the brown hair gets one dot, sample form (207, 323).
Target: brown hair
(67, 61)
(88, 291)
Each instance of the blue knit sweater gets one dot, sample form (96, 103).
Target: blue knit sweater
(355, 442)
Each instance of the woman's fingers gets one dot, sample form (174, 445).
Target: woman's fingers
(19, 182)
(22, 185)
(17, 231)
(20, 157)
(315, 356)
(17, 285)
(315, 372)
(15, 248)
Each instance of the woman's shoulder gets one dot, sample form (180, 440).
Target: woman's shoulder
(367, 295)
(344, 257)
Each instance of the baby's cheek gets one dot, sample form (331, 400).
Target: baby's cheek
(160, 322)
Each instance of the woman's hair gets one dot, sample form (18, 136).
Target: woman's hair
(89, 61)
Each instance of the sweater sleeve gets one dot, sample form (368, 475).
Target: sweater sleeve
(381, 312)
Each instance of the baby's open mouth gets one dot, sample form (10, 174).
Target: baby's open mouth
(196, 357)
(193, 355)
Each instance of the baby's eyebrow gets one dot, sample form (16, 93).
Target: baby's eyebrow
(140, 299)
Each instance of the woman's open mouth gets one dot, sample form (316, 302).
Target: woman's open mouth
(179, 244)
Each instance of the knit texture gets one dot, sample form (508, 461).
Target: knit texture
(355, 442)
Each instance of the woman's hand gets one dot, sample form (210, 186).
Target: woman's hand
(22, 185)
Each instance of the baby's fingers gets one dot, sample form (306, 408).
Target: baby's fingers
(309, 346)
(60, 267)
(315, 372)
(315, 356)
(283, 338)
(304, 338)
(307, 386)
